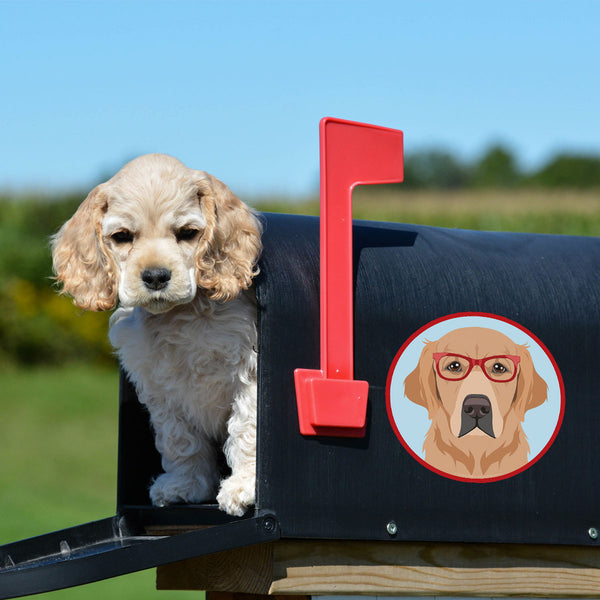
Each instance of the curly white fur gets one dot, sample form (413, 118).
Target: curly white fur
(178, 250)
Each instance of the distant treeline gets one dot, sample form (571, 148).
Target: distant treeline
(498, 168)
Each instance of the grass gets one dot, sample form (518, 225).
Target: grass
(59, 463)
(534, 211)
(61, 428)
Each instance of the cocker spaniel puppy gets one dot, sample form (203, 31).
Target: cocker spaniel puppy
(177, 251)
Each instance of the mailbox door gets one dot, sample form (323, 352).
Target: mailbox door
(113, 547)
(405, 277)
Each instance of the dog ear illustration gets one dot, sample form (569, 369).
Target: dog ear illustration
(419, 386)
(532, 390)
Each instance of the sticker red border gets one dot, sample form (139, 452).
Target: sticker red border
(497, 318)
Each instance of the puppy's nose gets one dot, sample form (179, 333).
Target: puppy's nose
(156, 279)
(476, 406)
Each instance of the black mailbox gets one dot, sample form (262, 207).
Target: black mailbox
(525, 310)
(408, 280)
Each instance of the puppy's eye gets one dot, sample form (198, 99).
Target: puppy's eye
(454, 366)
(499, 368)
(186, 234)
(122, 237)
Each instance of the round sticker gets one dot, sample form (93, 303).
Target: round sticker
(475, 397)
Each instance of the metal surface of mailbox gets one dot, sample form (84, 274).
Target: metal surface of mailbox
(405, 277)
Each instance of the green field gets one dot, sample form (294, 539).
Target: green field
(59, 463)
(534, 211)
(58, 425)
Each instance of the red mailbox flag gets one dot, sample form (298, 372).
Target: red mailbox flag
(330, 401)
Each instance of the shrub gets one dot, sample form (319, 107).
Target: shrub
(39, 327)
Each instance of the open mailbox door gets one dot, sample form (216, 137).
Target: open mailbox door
(111, 547)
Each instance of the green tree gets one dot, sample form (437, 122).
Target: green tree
(434, 169)
(497, 168)
(569, 171)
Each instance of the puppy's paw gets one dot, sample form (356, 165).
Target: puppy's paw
(171, 488)
(236, 495)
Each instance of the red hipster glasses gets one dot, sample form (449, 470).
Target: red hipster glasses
(454, 367)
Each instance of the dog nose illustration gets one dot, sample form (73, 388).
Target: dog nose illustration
(156, 279)
(476, 406)
(476, 414)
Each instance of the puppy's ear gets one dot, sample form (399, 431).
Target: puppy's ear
(230, 245)
(81, 260)
(532, 390)
(419, 386)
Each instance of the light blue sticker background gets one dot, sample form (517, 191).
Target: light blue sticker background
(412, 420)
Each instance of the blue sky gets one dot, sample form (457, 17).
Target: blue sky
(237, 88)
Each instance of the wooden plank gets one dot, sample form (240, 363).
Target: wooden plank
(245, 570)
(392, 568)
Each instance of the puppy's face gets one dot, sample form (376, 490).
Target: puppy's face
(153, 240)
(153, 235)
(476, 375)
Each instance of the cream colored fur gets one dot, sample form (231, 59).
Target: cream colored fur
(187, 343)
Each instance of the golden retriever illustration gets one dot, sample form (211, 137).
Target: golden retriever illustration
(476, 385)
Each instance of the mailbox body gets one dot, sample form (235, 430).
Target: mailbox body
(406, 276)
